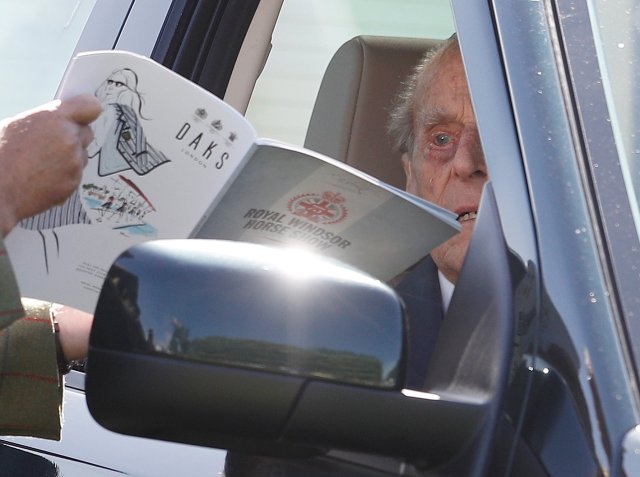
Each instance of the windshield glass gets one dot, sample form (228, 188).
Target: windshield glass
(616, 23)
(616, 159)
(305, 38)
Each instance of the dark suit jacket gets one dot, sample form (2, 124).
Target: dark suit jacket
(420, 291)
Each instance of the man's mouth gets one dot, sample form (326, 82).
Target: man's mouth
(467, 216)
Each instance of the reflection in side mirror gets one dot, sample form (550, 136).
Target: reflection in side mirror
(236, 304)
(261, 350)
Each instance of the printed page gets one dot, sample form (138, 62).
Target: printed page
(163, 152)
(287, 196)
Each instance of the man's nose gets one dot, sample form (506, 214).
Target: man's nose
(469, 159)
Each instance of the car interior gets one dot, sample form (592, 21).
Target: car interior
(351, 110)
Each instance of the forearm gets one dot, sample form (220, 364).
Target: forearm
(42, 155)
(30, 388)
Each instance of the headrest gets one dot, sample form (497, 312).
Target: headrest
(349, 118)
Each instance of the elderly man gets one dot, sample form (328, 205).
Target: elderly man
(434, 127)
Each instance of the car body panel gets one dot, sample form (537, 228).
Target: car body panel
(548, 127)
(122, 454)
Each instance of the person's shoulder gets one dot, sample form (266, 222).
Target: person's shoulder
(415, 279)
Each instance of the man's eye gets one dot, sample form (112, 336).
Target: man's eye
(442, 139)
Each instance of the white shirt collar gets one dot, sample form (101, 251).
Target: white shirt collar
(446, 290)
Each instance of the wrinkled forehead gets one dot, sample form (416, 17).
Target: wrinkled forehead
(445, 93)
(449, 57)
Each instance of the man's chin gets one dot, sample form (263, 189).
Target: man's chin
(450, 255)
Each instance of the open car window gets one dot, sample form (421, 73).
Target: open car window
(37, 66)
(306, 36)
(40, 37)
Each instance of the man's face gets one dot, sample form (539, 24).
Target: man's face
(447, 165)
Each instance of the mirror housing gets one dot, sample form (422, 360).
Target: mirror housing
(249, 347)
(254, 307)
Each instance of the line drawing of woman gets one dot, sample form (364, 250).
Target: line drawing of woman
(119, 144)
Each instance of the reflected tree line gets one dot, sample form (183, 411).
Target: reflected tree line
(119, 302)
(343, 366)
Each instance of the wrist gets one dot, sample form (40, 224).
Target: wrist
(73, 331)
(64, 365)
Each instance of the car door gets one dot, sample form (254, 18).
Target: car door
(545, 111)
(547, 92)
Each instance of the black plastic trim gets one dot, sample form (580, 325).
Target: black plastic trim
(201, 39)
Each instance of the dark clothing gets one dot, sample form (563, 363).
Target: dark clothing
(420, 291)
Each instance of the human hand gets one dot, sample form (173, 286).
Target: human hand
(42, 155)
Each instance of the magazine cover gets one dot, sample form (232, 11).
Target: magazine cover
(163, 150)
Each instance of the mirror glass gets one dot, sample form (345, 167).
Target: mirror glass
(251, 306)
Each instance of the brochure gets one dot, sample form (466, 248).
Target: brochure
(171, 160)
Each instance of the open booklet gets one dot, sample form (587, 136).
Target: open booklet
(171, 160)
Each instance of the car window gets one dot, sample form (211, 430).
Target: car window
(615, 155)
(37, 61)
(307, 34)
(38, 38)
(618, 57)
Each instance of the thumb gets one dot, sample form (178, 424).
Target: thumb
(82, 109)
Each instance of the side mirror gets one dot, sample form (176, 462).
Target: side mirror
(252, 307)
(261, 350)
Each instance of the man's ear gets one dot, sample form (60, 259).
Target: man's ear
(408, 171)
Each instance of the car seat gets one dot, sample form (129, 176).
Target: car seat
(348, 122)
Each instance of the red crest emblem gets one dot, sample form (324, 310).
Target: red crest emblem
(325, 208)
